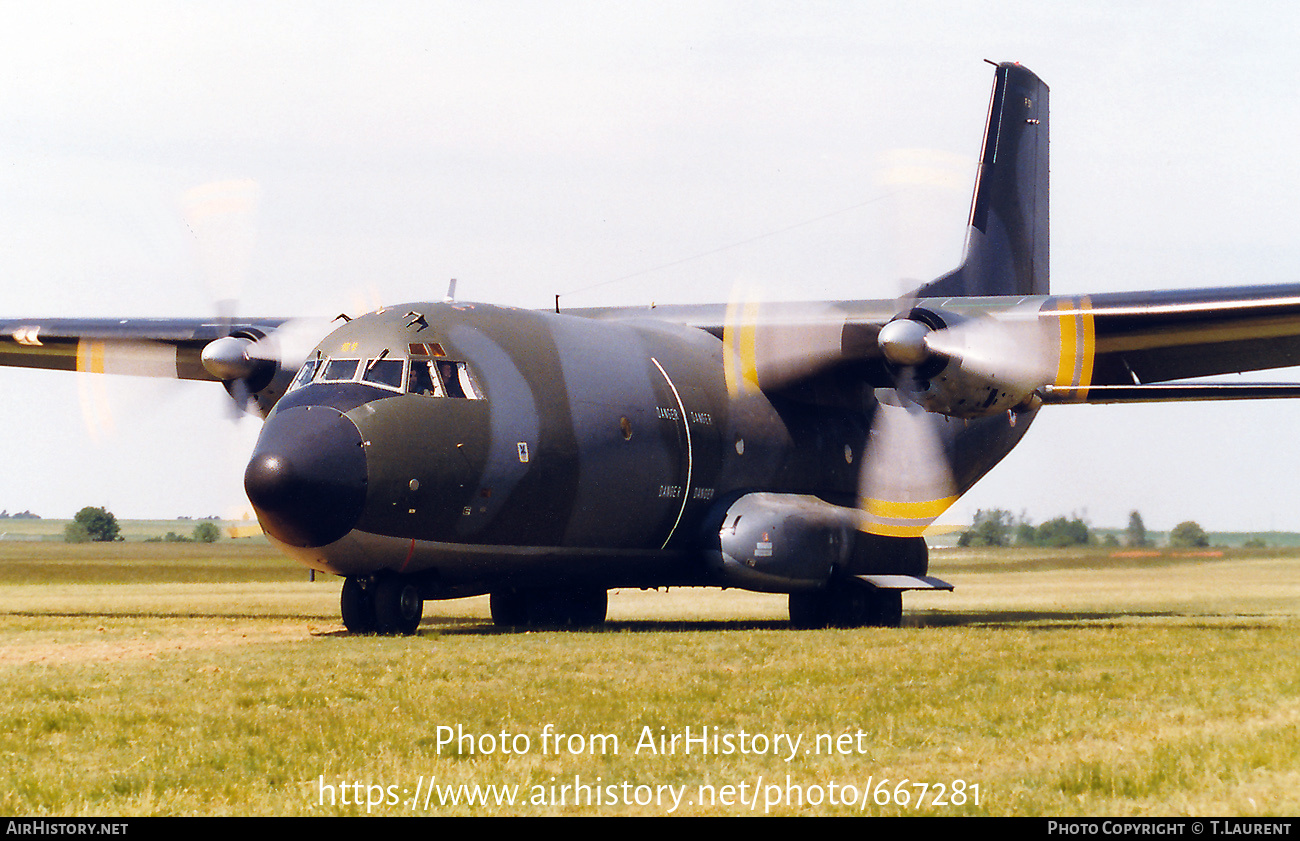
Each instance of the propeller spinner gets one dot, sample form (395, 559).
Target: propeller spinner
(903, 342)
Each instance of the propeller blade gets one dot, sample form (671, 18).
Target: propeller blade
(740, 343)
(906, 480)
(222, 216)
(96, 411)
(927, 192)
(291, 343)
(769, 345)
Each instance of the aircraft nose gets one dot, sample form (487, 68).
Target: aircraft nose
(307, 476)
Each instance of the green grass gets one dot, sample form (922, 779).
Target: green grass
(227, 561)
(1073, 686)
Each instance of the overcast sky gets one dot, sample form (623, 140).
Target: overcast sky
(530, 149)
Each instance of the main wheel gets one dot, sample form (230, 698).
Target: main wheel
(509, 608)
(587, 608)
(810, 609)
(398, 605)
(887, 609)
(847, 604)
(358, 610)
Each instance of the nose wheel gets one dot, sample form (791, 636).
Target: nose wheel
(385, 604)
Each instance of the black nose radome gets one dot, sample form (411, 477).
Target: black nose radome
(307, 476)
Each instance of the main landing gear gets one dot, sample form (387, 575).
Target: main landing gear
(384, 604)
(549, 608)
(847, 603)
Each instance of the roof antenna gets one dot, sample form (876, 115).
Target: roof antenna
(451, 292)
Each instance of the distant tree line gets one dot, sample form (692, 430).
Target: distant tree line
(999, 527)
(21, 515)
(990, 528)
(99, 525)
(204, 532)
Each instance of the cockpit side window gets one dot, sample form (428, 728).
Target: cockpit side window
(423, 380)
(456, 381)
(305, 374)
(435, 375)
(467, 383)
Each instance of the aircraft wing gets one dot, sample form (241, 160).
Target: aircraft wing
(1123, 347)
(1141, 344)
(138, 346)
(1106, 348)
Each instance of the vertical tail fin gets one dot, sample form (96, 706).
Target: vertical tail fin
(1006, 237)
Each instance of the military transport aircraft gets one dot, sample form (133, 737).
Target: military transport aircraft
(440, 450)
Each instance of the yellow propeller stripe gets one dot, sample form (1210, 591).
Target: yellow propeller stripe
(749, 347)
(889, 530)
(740, 347)
(908, 510)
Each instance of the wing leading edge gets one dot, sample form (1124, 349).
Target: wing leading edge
(168, 348)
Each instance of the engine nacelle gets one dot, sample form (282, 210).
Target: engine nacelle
(961, 394)
(974, 366)
(780, 543)
(785, 543)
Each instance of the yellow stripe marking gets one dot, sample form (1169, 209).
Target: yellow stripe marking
(1069, 337)
(908, 510)
(1078, 347)
(887, 530)
(1089, 347)
(90, 356)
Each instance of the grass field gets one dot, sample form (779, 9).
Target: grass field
(184, 679)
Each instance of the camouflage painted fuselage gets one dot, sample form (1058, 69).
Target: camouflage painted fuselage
(579, 449)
